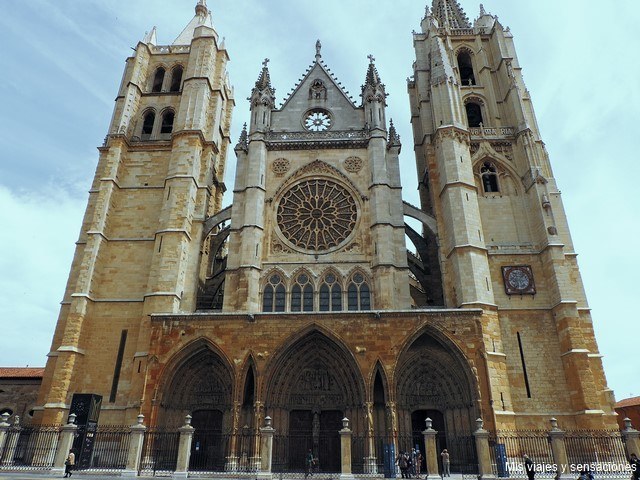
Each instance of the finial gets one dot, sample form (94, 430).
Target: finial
(243, 141)
(427, 12)
(318, 49)
(265, 62)
(201, 8)
(371, 58)
(482, 10)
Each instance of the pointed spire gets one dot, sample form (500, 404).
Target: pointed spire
(150, 37)
(243, 141)
(202, 18)
(373, 88)
(263, 92)
(373, 78)
(201, 8)
(318, 51)
(449, 13)
(394, 138)
(482, 10)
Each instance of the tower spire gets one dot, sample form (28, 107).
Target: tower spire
(201, 8)
(450, 14)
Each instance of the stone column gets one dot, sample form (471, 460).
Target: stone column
(67, 434)
(256, 459)
(430, 452)
(184, 449)
(231, 464)
(4, 430)
(631, 438)
(559, 451)
(266, 450)
(370, 463)
(483, 451)
(345, 451)
(135, 448)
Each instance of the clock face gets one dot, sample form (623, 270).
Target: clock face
(317, 121)
(518, 280)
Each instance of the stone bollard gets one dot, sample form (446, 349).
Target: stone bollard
(483, 451)
(559, 451)
(631, 438)
(67, 435)
(430, 452)
(345, 451)
(266, 449)
(184, 449)
(4, 429)
(135, 448)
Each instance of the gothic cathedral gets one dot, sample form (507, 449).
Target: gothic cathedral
(300, 301)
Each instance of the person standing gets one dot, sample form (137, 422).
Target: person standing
(446, 463)
(529, 467)
(401, 461)
(69, 463)
(418, 463)
(309, 461)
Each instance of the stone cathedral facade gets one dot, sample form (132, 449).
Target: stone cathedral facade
(300, 301)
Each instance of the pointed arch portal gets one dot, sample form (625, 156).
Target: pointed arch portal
(312, 385)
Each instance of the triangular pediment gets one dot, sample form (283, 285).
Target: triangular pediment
(318, 89)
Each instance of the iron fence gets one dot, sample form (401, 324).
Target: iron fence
(463, 456)
(601, 452)
(508, 448)
(30, 447)
(159, 452)
(110, 448)
(290, 453)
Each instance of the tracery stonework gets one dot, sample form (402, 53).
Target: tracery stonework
(353, 164)
(280, 166)
(317, 214)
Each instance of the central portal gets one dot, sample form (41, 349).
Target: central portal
(312, 386)
(318, 432)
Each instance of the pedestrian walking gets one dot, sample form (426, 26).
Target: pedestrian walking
(69, 463)
(529, 467)
(446, 463)
(309, 464)
(401, 461)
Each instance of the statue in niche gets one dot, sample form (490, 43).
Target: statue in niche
(318, 90)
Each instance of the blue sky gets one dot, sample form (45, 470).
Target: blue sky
(62, 65)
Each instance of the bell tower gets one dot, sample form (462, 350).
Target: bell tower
(503, 239)
(159, 175)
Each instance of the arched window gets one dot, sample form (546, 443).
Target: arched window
(147, 124)
(474, 114)
(330, 294)
(358, 293)
(273, 297)
(157, 80)
(302, 294)
(489, 178)
(176, 79)
(167, 122)
(466, 68)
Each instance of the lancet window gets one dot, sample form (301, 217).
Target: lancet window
(489, 177)
(273, 297)
(158, 80)
(330, 294)
(302, 294)
(358, 293)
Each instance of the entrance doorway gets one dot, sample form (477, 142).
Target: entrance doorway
(316, 431)
(209, 446)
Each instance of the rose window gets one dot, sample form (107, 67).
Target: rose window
(317, 214)
(317, 121)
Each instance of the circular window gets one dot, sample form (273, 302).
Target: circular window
(317, 120)
(317, 214)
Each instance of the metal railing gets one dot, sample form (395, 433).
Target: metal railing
(110, 449)
(507, 450)
(30, 448)
(601, 452)
(159, 452)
